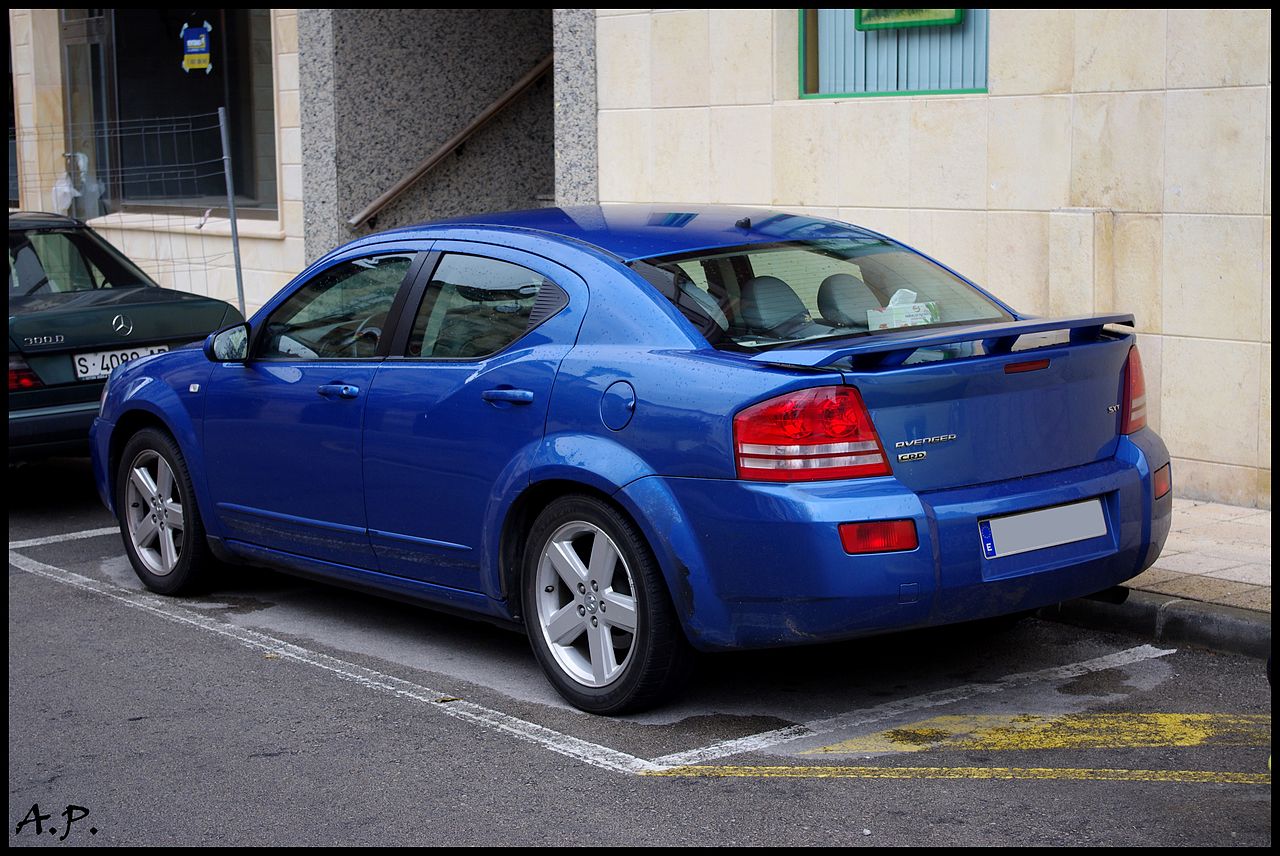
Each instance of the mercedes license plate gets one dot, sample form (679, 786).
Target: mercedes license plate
(97, 366)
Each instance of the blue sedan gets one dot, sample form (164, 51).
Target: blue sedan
(640, 432)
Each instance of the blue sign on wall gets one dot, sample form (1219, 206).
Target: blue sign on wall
(196, 48)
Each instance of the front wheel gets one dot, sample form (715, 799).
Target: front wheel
(159, 521)
(596, 609)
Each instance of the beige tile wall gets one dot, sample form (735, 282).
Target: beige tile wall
(271, 250)
(37, 96)
(1121, 161)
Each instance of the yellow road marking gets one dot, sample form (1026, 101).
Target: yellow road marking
(1071, 731)
(1043, 773)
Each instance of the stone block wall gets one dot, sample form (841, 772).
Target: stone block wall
(1119, 160)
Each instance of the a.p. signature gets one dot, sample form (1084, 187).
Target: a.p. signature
(34, 822)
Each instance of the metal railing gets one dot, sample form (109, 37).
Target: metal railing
(143, 183)
(447, 148)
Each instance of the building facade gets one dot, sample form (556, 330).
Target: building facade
(1072, 161)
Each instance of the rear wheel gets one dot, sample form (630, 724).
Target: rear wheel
(159, 522)
(596, 609)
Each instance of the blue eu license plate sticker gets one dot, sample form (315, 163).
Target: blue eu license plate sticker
(988, 543)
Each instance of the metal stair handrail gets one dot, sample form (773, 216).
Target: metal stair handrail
(479, 121)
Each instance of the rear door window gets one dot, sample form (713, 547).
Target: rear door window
(476, 306)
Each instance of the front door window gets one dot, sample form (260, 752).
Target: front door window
(339, 314)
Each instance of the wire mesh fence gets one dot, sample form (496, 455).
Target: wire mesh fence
(157, 188)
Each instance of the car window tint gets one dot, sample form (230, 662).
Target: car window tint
(339, 314)
(766, 294)
(805, 271)
(694, 271)
(474, 307)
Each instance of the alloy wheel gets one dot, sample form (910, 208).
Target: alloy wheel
(154, 513)
(586, 604)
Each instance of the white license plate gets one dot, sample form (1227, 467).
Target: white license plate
(1047, 527)
(99, 365)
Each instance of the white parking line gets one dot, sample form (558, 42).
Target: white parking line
(563, 744)
(892, 709)
(58, 539)
(573, 747)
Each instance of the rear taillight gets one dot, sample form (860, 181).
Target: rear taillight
(1161, 481)
(879, 536)
(21, 377)
(808, 435)
(1134, 403)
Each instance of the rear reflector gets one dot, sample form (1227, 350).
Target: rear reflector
(807, 435)
(879, 536)
(1134, 401)
(21, 377)
(1162, 481)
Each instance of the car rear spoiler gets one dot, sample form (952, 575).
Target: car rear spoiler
(884, 350)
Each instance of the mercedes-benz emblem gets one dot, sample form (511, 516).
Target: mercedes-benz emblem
(122, 324)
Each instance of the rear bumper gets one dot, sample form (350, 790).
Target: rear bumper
(761, 565)
(40, 432)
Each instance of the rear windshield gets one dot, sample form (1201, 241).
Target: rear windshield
(764, 295)
(62, 261)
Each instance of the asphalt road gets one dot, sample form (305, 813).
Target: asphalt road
(280, 712)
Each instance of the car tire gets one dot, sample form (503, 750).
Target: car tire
(582, 559)
(159, 521)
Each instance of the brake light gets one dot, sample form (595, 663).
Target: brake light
(808, 435)
(1029, 366)
(1134, 402)
(21, 377)
(879, 536)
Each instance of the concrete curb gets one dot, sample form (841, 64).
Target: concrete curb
(1170, 619)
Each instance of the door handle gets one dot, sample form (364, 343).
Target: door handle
(512, 396)
(338, 390)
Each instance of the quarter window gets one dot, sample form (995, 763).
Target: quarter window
(474, 307)
(340, 314)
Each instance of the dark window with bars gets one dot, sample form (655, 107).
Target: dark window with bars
(142, 131)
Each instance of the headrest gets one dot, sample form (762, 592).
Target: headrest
(768, 302)
(844, 301)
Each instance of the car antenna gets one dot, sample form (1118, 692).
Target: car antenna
(744, 223)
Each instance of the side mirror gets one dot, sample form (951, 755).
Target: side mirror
(228, 345)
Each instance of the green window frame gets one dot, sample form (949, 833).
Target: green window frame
(955, 16)
(902, 43)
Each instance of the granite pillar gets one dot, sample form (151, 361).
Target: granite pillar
(575, 107)
(381, 89)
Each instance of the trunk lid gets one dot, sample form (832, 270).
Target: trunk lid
(48, 329)
(985, 403)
